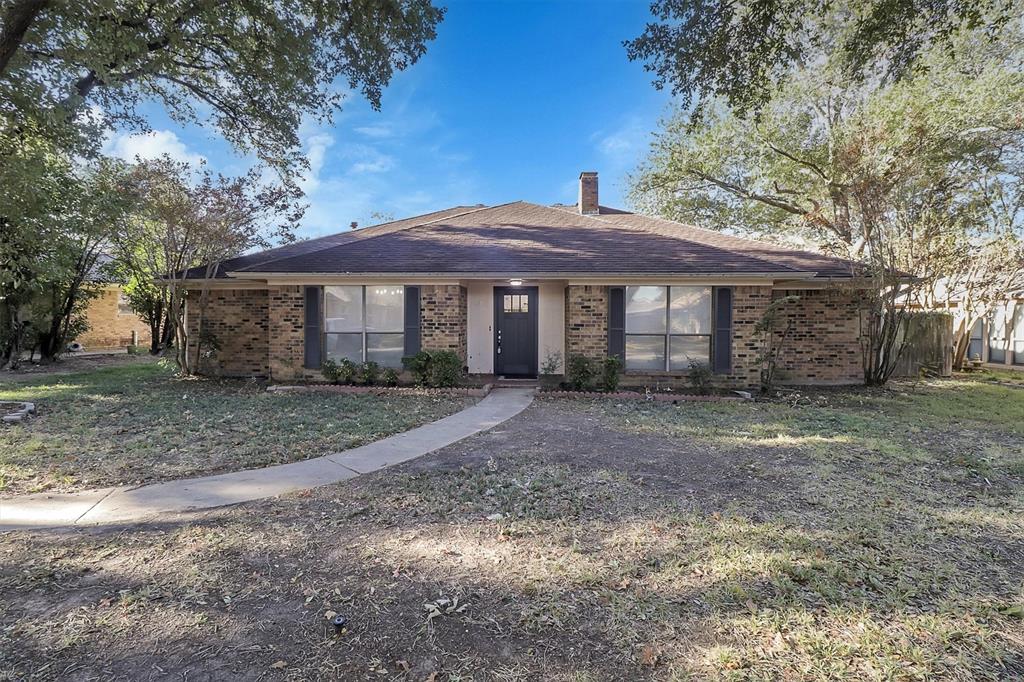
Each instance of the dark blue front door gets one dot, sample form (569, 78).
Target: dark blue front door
(515, 331)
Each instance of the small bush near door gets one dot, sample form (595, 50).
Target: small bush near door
(445, 369)
(611, 372)
(437, 369)
(579, 372)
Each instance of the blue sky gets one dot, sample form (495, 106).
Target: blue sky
(511, 101)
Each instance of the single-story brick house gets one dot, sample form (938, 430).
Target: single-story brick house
(512, 286)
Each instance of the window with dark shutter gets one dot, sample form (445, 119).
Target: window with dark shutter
(722, 353)
(617, 322)
(312, 328)
(412, 320)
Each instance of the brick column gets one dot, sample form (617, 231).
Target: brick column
(586, 321)
(748, 305)
(443, 318)
(287, 326)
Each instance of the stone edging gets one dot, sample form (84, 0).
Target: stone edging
(634, 395)
(472, 392)
(23, 410)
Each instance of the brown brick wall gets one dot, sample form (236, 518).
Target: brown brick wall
(586, 321)
(108, 328)
(239, 320)
(443, 315)
(824, 346)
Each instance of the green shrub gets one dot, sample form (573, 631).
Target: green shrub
(329, 368)
(611, 372)
(341, 372)
(389, 377)
(368, 374)
(580, 373)
(445, 369)
(700, 376)
(419, 366)
(552, 362)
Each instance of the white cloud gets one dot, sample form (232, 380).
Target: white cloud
(369, 160)
(316, 152)
(151, 145)
(626, 142)
(376, 131)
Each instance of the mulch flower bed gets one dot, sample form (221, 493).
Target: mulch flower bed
(637, 395)
(470, 391)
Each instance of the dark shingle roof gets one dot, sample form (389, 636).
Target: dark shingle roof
(525, 238)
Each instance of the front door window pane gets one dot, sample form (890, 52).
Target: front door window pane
(344, 347)
(690, 311)
(645, 311)
(686, 348)
(385, 308)
(645, 352)
(385, 349)
(343, 309)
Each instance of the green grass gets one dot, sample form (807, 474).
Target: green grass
(139, 423)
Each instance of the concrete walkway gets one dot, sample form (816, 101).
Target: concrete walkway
(115, 505)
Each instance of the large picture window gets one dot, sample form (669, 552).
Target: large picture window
(365, 323)
(667, 327)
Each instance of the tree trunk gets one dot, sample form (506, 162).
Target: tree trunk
(16, 22)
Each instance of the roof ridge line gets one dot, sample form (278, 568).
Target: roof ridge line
(692, 241)
(371, 227)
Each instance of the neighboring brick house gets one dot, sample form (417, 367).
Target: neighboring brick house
(510, 287)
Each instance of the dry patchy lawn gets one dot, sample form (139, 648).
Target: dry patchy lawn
(137, 423)
(830, 535)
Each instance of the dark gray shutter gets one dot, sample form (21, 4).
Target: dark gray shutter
(312, 328)
(617, 322)
(412, 321)
(721, 340)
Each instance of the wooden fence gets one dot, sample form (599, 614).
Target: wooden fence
(929, 346)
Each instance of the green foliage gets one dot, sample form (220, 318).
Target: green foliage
(253, 70)
(552, 363)
(445, 369)
(339, 372)
(56, 216)
(389, 377)
(743, 51)
(611, 373)
(437, 369)
(580, 373)
(419, 366)
(700, 376)
(368, 373)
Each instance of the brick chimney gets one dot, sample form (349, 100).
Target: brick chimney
(588, 193)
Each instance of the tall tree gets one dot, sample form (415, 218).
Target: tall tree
(903, 176)
(253, 69)
(190, 225)
(742, 51)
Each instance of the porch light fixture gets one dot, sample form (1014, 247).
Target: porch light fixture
(516, 282)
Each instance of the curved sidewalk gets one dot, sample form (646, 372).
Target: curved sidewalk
(135, 503)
